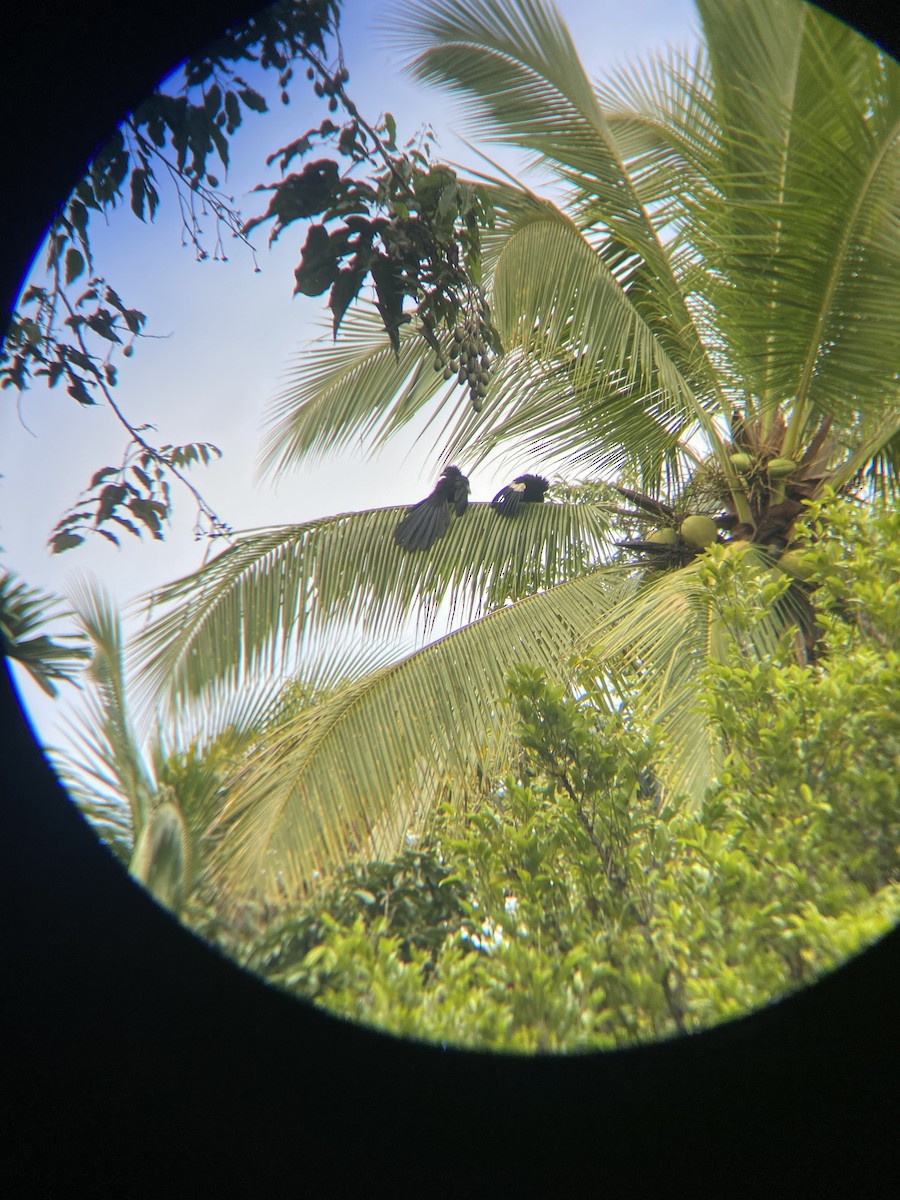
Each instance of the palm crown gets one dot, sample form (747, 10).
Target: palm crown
(718, 330)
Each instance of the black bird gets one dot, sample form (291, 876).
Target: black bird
(525, 489)
(430, 518)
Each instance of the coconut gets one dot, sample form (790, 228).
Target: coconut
(699, 532)
(664, 537)
(741, 462)
(778, 468)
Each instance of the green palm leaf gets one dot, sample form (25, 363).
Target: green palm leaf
(105, 771)
(792, 205)
(602, 426)
(292, 595)
(521, 82)
(657, 643)
(354, 388)
(24, 611)
(354, 774)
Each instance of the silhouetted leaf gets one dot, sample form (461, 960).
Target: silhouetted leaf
(111, 496)
(100, 475)
(346, 287)
(318, 263)
(146, 512)
(102, 323)
(64, 541)
(232, 110)
(389, 289)
(74, 264)
(138, 192)
(79, 392)
(253, 100)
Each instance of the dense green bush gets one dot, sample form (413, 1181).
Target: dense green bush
(578, 908)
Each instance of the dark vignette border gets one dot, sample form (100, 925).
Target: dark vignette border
(133, 1057)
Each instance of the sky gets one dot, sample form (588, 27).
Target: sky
(224, 337)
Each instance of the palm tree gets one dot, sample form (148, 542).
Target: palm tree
(717, 333)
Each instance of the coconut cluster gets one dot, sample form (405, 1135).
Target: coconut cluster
(777, 468)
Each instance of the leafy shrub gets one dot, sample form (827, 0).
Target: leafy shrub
(575, 911)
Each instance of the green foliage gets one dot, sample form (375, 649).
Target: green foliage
(413, 899)
(135, 496)
(411, 227)
(624, 358)
(73, 334)
(573, 911)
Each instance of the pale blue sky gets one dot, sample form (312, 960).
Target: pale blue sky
(227, 337)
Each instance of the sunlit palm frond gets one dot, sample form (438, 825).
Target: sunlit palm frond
(868, 443)
(95, 785)
(105, 772)
(796, 212)
(579, 309)
(660, 640)
(515, 67)
(357, 773)
(374, 758)
(601, 424)
(521, 80)
(269, 603)
(354, 388)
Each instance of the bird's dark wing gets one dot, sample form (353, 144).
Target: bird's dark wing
(424, 524)
(430, 518)
(460, 494)
(508, 499)
(525, 489)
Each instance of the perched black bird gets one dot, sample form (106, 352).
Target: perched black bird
(430, 518)
(526, 489)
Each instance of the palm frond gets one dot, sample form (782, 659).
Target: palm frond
(353, 388)
(515, 69)
(24, 611)
(163, 860)
(354, 774)
(287, 598)
(659, 641)
(521, 81)
(105, 770)
(601, 424)
(793, 208)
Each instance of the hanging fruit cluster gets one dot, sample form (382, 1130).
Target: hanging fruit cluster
(470, 351)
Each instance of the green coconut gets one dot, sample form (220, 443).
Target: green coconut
(698, 531)
(778, 468)
(741, 462)
(664, 537)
